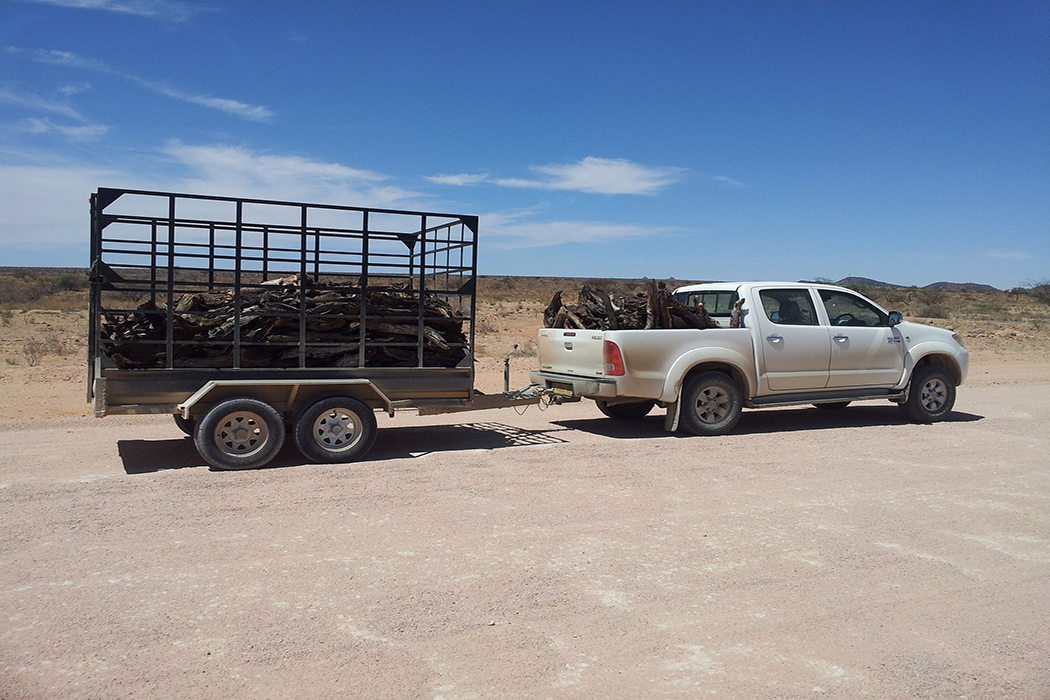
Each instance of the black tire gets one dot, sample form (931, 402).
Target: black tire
(836, 406)
(240, 434)
(711, 404)
(186, 425)
(626, 411)
(336, 429)
(931, 395)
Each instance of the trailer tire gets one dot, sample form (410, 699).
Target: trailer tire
(625, 411)
(186, 425)
(240, 433)
(711, 404)
(335, 429)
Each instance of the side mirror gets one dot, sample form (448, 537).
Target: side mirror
(896, 317)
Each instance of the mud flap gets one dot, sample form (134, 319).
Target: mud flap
(671, 419)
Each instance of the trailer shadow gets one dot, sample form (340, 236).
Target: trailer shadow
(757, 422)
(149, 456)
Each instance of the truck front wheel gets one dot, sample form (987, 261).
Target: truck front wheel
(626, 411)
(711, 404)
(337, 429)
(931, 396)
(240, 434)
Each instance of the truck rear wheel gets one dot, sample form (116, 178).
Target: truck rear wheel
(711, 404)
(626, 411)
(336, 429)
(931, 396)
(240, 434)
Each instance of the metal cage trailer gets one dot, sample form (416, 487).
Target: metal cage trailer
(247, 319)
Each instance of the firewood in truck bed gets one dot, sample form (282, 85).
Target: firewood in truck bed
(598, 310)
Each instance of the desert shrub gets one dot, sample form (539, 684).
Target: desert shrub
(932, 311)
(35, 349)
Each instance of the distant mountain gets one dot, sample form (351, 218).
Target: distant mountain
(863, 282)
(961, 287)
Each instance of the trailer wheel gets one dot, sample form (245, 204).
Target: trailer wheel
(186, 425)
(711, 404)
(625, 411)
(240, 434)
(336, 429)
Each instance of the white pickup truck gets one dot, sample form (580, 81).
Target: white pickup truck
(796, 343)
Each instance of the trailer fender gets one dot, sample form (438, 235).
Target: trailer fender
(284, 395)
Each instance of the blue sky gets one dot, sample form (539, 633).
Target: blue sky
(787, 139)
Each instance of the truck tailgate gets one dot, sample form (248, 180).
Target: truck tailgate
(576, 352)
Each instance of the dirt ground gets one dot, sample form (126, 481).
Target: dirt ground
(553, 554)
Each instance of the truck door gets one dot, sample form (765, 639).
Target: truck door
(795, 347)
(865, 350)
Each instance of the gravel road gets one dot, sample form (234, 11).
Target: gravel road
(554, 554)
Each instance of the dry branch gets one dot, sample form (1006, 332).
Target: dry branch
(655, 308)
(282, 322)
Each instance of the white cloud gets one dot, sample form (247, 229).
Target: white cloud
(90, 132)
(599, 176)
(728, 181)
(461, 179)
(155, 9)
(512, 232)
(241, 171)
(236, 108)
(35, 102)
(43, 201)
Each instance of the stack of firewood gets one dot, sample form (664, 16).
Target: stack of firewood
(656, 307)
(203, 329)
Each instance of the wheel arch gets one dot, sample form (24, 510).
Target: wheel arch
(945, 362)
(286, 396)
(734, 372)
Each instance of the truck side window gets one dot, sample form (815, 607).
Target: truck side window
(790, 307)
(717, 303)
(850, 310)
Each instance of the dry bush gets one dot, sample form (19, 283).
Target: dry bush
(35, 349)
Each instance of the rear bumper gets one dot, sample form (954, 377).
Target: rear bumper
(569, 385)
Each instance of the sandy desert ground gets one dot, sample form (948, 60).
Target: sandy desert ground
(553, 554)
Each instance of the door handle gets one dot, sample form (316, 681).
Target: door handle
(774, 338)
(841, 338)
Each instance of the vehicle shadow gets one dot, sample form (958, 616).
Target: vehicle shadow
(757, 422)
(149, 456)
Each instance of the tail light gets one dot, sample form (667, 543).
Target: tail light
(613, 360)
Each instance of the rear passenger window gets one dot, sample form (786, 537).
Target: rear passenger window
(788, 307)
(715, 303)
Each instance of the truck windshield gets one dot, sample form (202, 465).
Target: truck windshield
(717, 303)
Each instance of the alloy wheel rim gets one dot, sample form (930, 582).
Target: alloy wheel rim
(712, 405)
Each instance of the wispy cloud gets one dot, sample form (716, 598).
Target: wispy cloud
(591, 175)
(599, 176)
(32, 101)
(243, 171)
(235, 108)
(154, 9)
(513, 230)
(43, 194)
(87, 132)
(728, 181)
(459, 180)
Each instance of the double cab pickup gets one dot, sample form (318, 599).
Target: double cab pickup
(791, 343)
